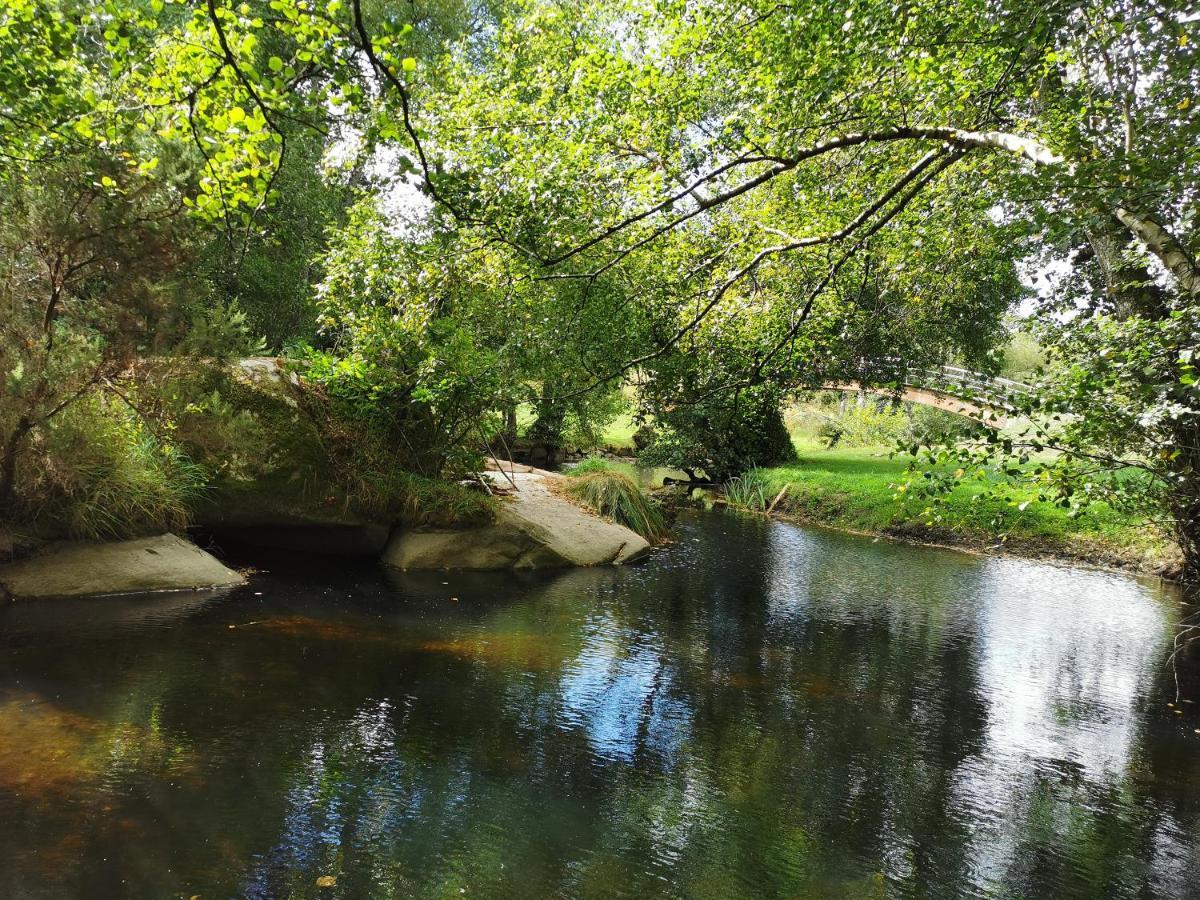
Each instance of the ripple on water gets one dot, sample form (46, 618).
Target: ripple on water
(761, 710)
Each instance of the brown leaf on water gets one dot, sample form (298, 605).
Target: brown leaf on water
(326, 881)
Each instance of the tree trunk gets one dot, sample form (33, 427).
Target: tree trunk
(1185, 501)
(509, 432)
(8, 465)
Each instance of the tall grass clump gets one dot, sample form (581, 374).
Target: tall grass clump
(412, 499)
(618, 497)
(748, 490)
(591, 464)
(102, 474)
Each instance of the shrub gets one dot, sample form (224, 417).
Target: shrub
(643, 437)
(619, 498)
(99, 472)
(879, 423)
(310, 454)
(722, 436)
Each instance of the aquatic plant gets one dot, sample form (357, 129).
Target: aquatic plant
(748, 490)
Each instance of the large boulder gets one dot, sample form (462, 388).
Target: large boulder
(162, 563)
(535, 529)
(285, 495)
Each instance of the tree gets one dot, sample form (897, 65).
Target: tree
(86, 246)
(743, 144)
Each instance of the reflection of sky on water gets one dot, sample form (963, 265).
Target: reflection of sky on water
(1063, 655)
(618, 691)
(354, 792)
(1065, 659)
(825, 577)
(763, 710)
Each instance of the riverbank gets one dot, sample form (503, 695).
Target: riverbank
(854, 489)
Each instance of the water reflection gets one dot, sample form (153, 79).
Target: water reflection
(762, 710)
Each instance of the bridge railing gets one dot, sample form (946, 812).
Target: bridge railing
(1003, 393)
(992, 390)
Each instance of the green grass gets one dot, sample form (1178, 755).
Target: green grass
(855, 489)
(618, 434)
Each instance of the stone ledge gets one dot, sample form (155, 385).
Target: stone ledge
(163, 563)
(535, 529)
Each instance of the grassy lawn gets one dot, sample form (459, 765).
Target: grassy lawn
(855, 488)
(618, 434)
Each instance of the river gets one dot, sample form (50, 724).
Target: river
(762, 710)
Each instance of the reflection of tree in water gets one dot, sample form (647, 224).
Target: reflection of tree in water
(767, 712)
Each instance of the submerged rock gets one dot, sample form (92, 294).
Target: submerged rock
(535, 529)
(163, 563)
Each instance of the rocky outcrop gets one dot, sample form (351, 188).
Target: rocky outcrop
(285, 496)
(162, 563)
(535, 529)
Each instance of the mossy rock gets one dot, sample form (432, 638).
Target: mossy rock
(290, 495)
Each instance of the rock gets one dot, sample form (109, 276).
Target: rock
(286, 495)
(162, 563)
(535, 529)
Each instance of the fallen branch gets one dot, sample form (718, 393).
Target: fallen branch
(778, 497)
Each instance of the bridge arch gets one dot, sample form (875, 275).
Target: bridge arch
(950, 403)
(982, 398)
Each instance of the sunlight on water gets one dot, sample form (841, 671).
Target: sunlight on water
(762, 710)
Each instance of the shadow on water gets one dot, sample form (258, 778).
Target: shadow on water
(760, 710)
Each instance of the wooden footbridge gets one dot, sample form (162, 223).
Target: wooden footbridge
(988, 400)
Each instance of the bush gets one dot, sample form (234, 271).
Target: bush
(873, 424)
(722, 436)
(290, 446)
(879, 423)
(619, 498)
(643, 437)
(99, 472)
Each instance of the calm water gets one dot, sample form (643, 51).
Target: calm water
(761, 710)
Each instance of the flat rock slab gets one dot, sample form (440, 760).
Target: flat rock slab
(535, 529)
(162, 563)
